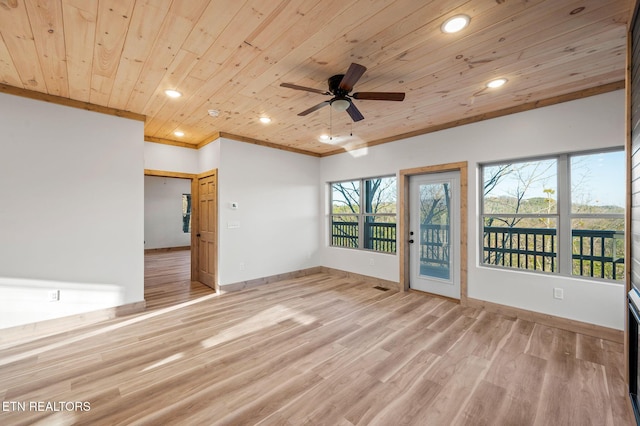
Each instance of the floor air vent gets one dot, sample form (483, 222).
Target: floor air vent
(381, 288)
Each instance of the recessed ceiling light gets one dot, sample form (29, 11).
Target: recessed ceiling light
(455, 24)
(178, 133)
(213, 112)
(324, 137)
(265, 120)
(493, 84)
(173, 93)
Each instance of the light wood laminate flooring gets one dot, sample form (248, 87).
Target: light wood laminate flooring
(318, 350)
(167, 279)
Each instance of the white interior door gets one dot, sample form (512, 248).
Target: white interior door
(434, 229)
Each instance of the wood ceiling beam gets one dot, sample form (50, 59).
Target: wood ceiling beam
(39, 96)
(267, 144)
(169, 142)
(4, 88)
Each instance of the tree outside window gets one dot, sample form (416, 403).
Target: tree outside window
(363, 214)
(561, 215)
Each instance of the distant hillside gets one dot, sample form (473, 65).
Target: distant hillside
(496, 206)
(540, 205)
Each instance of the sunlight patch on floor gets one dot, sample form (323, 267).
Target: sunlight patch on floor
(102, 330)
(167, 360)
(264, 319)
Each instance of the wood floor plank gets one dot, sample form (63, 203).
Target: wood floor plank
(320, 349)
(482, 407)
(253, 411)
(522, 377)
(408, 405)
(563, 403)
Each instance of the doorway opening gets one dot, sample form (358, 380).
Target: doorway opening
(203, 215)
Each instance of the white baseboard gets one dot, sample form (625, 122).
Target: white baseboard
(28, 332)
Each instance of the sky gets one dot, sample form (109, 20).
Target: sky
(596, 179)
(603, 178)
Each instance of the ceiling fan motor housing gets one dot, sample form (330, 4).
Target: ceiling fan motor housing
(334, 86)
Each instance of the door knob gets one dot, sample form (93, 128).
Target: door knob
(198, 235)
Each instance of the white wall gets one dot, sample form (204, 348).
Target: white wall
(209, 157)
(278, 197)
(169, 158)
(591, 123)
(163, 212)
(277, 217)
(71, 210)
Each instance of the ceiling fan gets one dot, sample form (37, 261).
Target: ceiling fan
(340, 86)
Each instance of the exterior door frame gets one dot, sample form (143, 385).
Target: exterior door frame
(195, 221)
(403, 222)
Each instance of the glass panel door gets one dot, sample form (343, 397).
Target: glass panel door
(434, 228)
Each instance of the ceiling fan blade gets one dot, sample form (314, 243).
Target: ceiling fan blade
(352, 76)
(354, 113)
(379, 96)
(306, 89)
(314, 108)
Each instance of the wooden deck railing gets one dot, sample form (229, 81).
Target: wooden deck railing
(595, 253)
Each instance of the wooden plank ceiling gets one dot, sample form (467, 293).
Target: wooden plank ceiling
(232, 55)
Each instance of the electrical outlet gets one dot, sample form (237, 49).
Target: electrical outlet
(54, 295)
(558, 293)
(242, 266)
(371, 262)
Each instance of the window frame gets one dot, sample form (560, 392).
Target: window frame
(564, 216)
(362, 215)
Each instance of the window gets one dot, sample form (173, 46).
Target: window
(561, 215)
(597, 214)
(363, 214)
(520, 215)
(186, 213)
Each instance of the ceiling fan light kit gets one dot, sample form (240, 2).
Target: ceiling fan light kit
(340, 104)
(340, 86)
